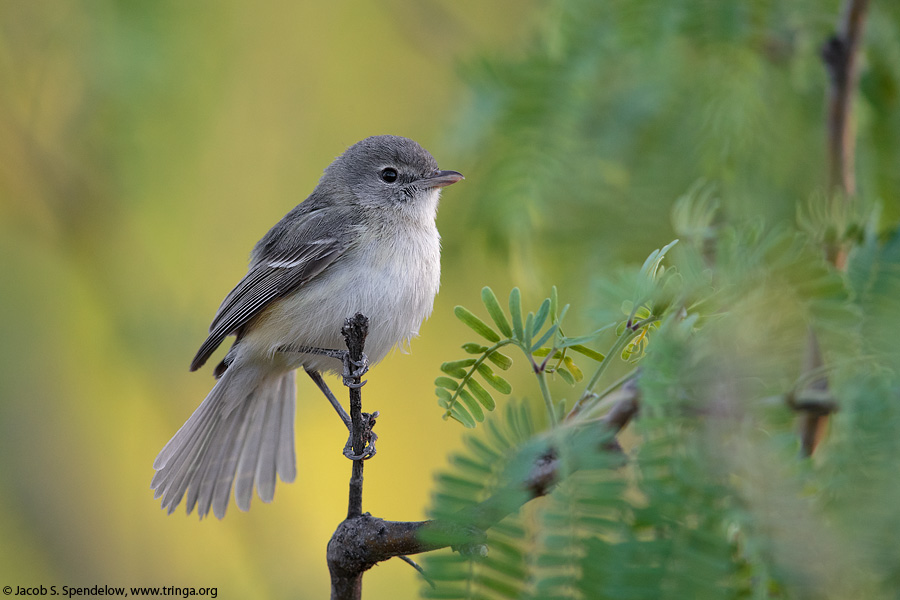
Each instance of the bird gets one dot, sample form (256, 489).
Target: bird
(364, 241)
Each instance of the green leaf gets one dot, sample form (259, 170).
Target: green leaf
(529, 329)
(561, 315)
(500, 359)
(481, 449)
(573, 368)
(582, 339)
(493, 308)
(459, 413)
(561, 409)
(469, 465)
(546, 351)
(589, 352)
(446, 382)
(567, 377)
(477, 325)
(545, 337)
(495, 381)
(473, 348)
(460, 483)
(515, 311)
(650, 268)
(541, 315)
(482, 394)
(444, 397)
(457, 368)
(554, 305)
(472, 405)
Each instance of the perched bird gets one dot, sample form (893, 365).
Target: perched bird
(364, 241)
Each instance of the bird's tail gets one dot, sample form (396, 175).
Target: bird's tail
(242, 433)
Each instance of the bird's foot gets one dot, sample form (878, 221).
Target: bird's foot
(353, 369)
(369, 437)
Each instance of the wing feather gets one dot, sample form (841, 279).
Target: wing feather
(268, 279)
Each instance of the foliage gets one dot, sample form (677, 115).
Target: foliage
(622, 105)
(464, 399)
(709, 498)
(712, 501)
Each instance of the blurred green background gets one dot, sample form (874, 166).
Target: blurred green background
(144, 148)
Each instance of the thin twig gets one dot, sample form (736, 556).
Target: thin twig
(355, 332)
(416, 566)
(346, 573)
(600, 399)
(545, 472)
(841, 56)
(361, 542)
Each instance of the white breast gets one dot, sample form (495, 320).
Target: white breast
(390, 278)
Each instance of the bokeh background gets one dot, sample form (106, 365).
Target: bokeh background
(146, 146)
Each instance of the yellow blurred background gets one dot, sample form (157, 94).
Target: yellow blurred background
(144, 148)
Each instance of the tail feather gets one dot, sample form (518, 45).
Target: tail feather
(175, 480)
(198, 420)
(216, 456)
(229, 461)
(285, 459)
(203, 473)
(172, 480)
(245, 475)
(265, 462)
(179, 466)
(242, 434)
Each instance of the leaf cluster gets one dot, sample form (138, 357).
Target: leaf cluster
(537, 335)
(617, 107)
(711, 501)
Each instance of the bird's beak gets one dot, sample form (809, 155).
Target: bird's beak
(442, 179)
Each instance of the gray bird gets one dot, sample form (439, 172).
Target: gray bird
(364, 241)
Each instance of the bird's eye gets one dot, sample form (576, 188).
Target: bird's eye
(389, 175)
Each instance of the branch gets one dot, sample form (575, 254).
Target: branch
(841, 56)
(545, 473)
(346, 583)
(363, 541)
(814, 403)
(355, 331)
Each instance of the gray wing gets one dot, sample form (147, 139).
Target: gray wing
(267, 280)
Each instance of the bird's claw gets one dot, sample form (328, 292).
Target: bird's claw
(369, 437)
(366, 454)
(353, 370)
(350, 383)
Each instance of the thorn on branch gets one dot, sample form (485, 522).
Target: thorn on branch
(814, 407)
(361, 540)
(543, 474)
(813, 402)
(834, 55)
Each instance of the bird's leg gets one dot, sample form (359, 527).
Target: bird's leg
(368, 421)
(317, 377)
(352, 368)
